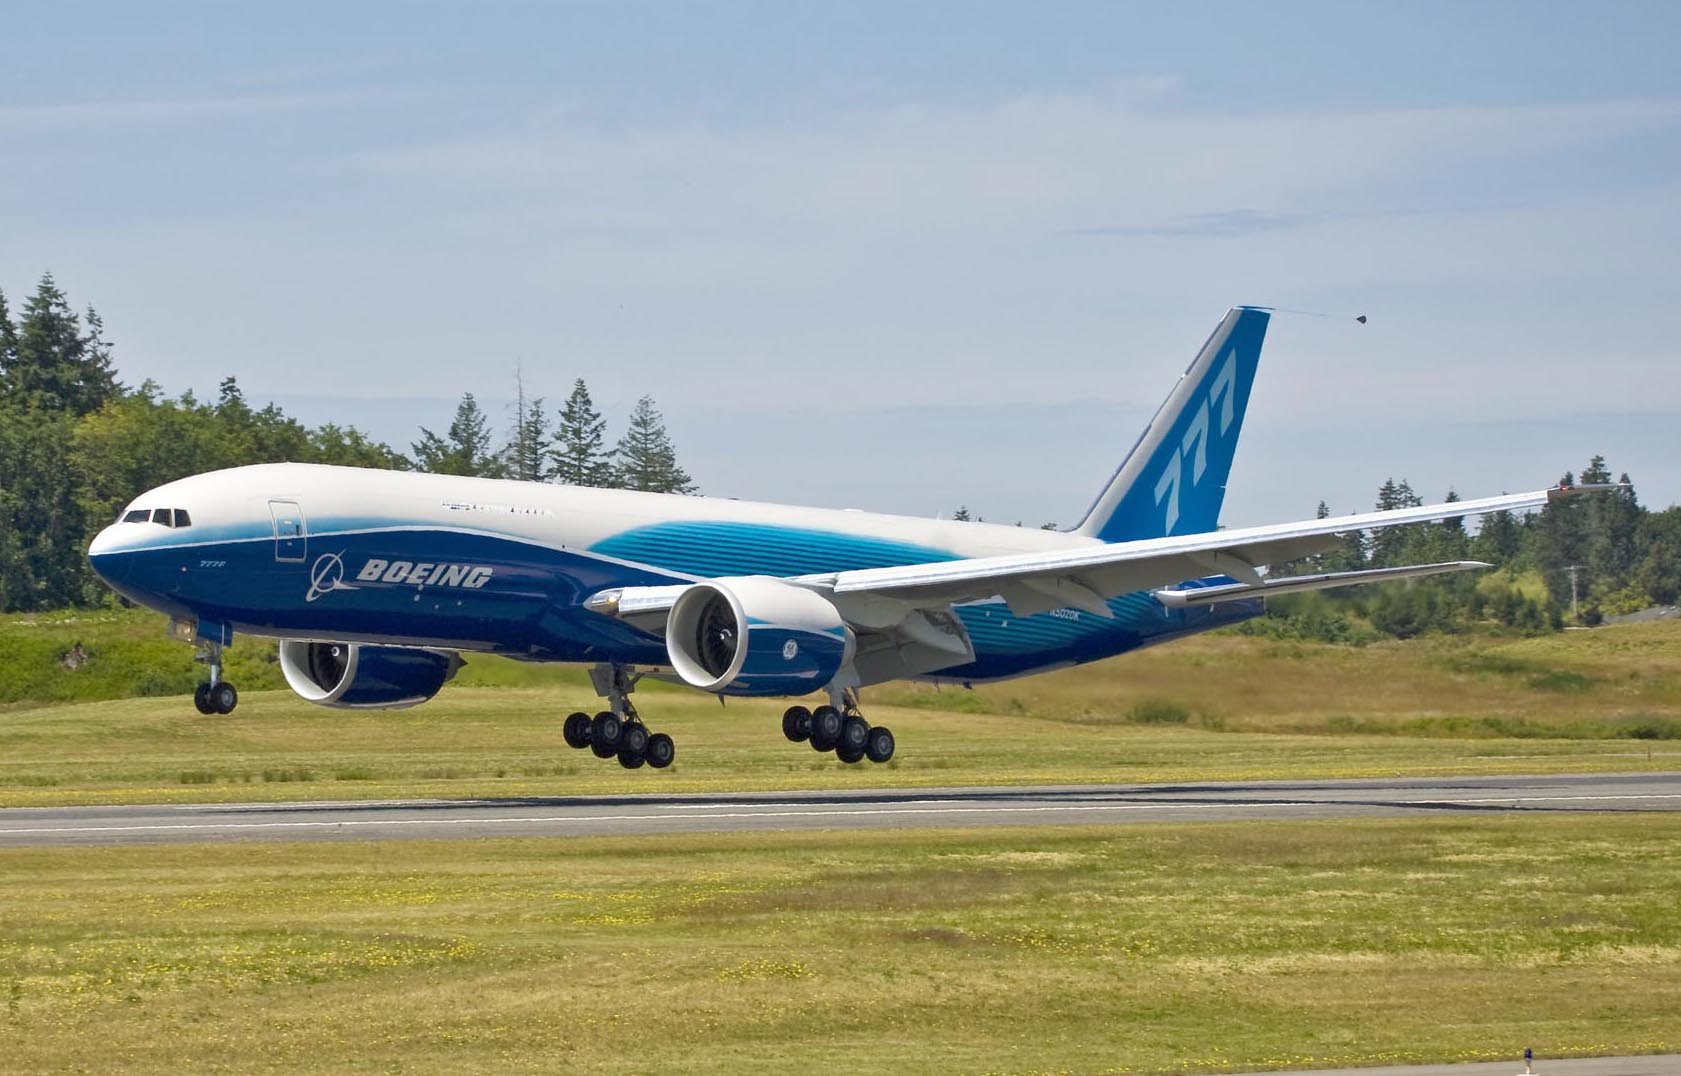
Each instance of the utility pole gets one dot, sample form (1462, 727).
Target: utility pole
(1575, 614)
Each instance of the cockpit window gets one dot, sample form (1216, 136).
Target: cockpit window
(139, 515)
(162, 515)
(182, 519)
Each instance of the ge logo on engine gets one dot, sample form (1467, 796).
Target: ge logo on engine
(790, 650)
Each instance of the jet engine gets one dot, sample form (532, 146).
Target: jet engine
(353, 676)
(754, 635)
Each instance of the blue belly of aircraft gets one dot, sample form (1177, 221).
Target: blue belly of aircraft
(529, 604)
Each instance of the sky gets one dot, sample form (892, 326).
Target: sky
(896, 256)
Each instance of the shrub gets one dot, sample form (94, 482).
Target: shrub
(1158, 712)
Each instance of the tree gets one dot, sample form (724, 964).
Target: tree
(645, 458)
(1498, 540)
(8, 339)
(1560, 540)
(962, 514)
(579, 454)
(53, 365)
(1658, 572)
(1389, 545)
(466, 451)
(346, 446)
(527, 453)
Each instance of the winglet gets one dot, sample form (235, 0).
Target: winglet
(1561, 491)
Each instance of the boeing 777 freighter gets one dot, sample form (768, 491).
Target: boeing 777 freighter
(375, 582)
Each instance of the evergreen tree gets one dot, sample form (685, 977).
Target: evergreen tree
(962, 514)
(1498, 540)
(8, 340)
(1613, 532)
(579, 454)
(466, 451)
(527, 455)
(645, 458)
(1388, 546)
(1658, 572)
(52, 365)
(1561, 540)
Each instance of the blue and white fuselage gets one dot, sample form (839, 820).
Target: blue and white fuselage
(298, 551)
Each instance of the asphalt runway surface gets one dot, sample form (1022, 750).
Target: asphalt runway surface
(862, 809)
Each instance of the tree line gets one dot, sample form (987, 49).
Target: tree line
(76, 445)
(1595, 554)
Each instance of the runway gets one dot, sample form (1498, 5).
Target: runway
(637, 815)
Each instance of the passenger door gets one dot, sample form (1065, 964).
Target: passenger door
(291, 538)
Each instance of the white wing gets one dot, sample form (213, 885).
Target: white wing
(1085, 577)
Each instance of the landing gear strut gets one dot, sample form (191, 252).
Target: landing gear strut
(618, 731)
(840, 728)
(215, 696)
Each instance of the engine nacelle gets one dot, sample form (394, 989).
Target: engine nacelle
(754, 635)
(354, 676)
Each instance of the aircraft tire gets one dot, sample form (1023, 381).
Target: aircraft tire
(880, 746)
(201, 699)
(576, 730)
(826, 724)
(855, 734)
(661, 751)
(631, 760)
(849, 754)
(605, 733)
(796, 724)
(224, 697)
(633, 740)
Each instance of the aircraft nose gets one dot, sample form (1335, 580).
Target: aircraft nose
(111, 564)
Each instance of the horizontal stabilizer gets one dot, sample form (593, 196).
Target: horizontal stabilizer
(1178, 598)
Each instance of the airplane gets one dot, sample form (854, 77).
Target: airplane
(376, 582)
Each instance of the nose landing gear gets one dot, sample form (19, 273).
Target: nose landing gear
(216, 696)
(618, 732)
(839, 728)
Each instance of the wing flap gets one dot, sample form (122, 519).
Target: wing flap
(1178, 598)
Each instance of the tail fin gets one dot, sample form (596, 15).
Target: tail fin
(1174, 479)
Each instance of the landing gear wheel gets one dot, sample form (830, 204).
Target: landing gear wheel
(848, 753)
(223, 698)
(880, 745)
(855, 733)
(605, 732)
(633, 741)
(631, 760)
(796, 724)
(826, 725)
(660, 751)
(577, 730)
(201, 699)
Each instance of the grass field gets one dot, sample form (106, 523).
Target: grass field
(1174, 948)
(1212, 708)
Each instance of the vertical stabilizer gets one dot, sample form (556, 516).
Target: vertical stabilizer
(1174, 479)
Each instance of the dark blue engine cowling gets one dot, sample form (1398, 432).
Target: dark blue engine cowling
(755, 635)
(353, 676)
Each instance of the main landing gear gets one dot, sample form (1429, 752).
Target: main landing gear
(618, 731)
(216, 696)
(839, 728)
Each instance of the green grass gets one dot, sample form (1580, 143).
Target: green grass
(1212, 708)
(1166, 948)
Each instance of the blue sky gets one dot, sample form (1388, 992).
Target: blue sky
(888, 256)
